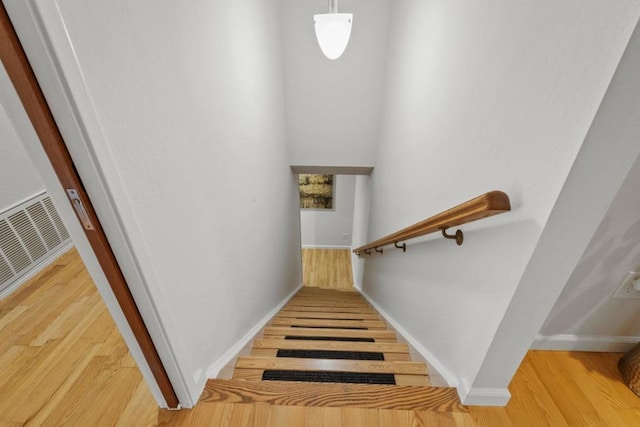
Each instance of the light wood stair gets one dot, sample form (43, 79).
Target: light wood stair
(335, 316)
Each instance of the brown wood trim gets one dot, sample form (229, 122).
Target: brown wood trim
(483, 206)
(19, 70)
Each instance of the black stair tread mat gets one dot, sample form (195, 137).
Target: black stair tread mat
(329, 377)
(350, 339)
(331, 354)
(329, 327)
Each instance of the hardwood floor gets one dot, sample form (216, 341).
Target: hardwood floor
(550, 389)
(327, 268)
(62, 362)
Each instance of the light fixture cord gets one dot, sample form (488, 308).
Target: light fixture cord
(333, 6)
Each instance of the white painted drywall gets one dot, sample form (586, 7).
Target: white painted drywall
(586, 306)
(361, 205)
(480, 97)
(183, 108)
(606, 157)
(333, 107)
(324, 228)
(19, 178)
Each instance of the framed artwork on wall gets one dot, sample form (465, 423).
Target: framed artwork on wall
(316, 191)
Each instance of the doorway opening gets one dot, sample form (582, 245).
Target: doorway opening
(334, 215)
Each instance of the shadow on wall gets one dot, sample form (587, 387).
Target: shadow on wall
(451, 298)
(586, 306)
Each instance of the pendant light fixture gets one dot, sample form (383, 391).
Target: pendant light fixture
(333, 30)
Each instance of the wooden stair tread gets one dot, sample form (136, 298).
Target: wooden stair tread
(323, 315)
(339, 304)
(319, 313)
(371, 324)
(318, 332)
(328, 293)
(272, 352)
(244, 374)
(389, 357)
(316, 309)
(328, 290)
(440, 399)
(296, 364)
(354, 298)
(331, 345)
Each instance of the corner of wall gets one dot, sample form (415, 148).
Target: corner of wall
(223, 366)
(482, 396)
(441, 368)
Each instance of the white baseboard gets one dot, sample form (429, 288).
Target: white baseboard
(569, 342)
(446, 374)
(326, 247)
(483, 396)
(228, 359)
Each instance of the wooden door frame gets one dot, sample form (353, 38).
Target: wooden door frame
(27, 87)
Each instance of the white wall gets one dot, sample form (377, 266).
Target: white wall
(586, 307)
(325, 227)
(166, 93)
(605, 158)
(480, 97)
(333, 107)
(19, 178)
(361, 206)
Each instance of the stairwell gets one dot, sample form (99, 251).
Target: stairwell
(330, 348)
(331, 336)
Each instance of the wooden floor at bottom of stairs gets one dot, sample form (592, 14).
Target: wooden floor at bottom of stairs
(440, 399)
(550, 388)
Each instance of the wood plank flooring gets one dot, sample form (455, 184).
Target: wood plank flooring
(327, 268)
(550, 389)
(53, 374)
(62, 360)
(334, 395)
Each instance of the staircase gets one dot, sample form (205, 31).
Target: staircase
(331, 348)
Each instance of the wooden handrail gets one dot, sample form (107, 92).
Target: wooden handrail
(488, 204)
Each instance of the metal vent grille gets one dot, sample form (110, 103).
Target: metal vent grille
(5, 270)
(11, 246)
(30, 233)
(27, 233)
(62, 230)
(44, 224)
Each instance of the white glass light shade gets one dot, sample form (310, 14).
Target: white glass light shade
(333, 31)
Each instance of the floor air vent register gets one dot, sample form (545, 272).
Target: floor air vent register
(31, 233)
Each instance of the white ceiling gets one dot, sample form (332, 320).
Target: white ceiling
(333, 107)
